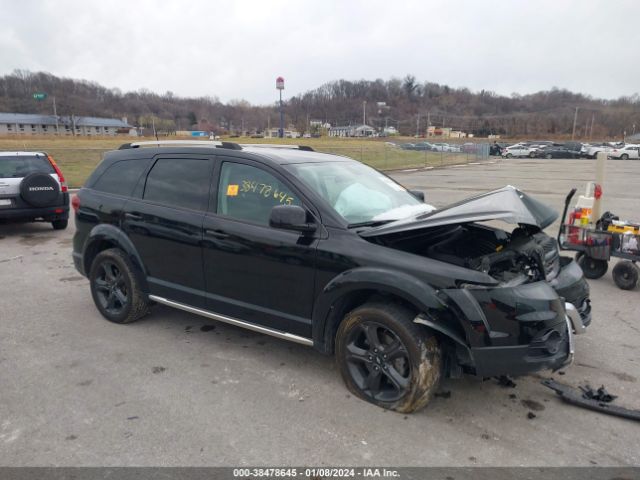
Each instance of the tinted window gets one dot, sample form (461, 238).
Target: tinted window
(179, 183)
(121, 177)
(17, 166)
(249, 193)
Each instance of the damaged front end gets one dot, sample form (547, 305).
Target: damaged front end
(526, 319)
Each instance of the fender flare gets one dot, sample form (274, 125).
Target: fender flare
(112, 234)
(415, 291)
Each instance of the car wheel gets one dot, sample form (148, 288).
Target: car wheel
(591, 267)
(548, 156)
(508, 155)
(532, 155)
(115, 287)
(386, 359)
(625, 275)
(624, 156)
(60, 224)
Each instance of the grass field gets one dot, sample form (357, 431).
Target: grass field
(78, 156)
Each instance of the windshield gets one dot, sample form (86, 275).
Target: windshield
(360, 194)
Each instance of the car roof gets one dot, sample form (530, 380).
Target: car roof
(277, 155)
(17, 154)
(285, 156)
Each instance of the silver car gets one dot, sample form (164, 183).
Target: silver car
(32, 188)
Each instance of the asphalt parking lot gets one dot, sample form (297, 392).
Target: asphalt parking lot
(175, 389)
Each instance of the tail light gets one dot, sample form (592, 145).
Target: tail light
(63, 183)
(75, 203)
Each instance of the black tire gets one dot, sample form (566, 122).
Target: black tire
(386, 359)
(508, 155)
(591, 267)
(548, 156)
(115, 287)
(60, 224)
(532, 155)
(624, 156)
(625, 275)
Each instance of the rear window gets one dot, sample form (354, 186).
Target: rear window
(17, 166)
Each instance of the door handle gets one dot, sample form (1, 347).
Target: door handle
(133, 216)
(215, 233)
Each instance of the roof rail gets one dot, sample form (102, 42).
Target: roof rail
(185, 143)
(305, 148)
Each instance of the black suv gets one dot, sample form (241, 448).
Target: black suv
(322, 250)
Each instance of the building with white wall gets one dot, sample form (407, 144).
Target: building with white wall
(34, 124)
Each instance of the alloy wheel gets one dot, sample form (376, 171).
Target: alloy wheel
(378, 362)
(111, 288)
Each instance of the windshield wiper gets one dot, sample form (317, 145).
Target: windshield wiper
(370, 223)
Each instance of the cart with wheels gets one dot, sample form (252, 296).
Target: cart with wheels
(596, 246)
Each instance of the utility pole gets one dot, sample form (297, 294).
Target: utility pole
(575, 119)
(593, 118)
(280, 87)
(55, 113)
(418, 126)
(428, 122)
(364, 112)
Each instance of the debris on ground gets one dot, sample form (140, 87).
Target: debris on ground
(600, 395)
(531, 415)
(444, 394)
(578, 398)
(506, 381)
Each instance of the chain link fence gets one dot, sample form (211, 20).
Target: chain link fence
(78, 163)
(391, 157)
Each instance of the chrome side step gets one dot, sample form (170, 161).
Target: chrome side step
(233, 321)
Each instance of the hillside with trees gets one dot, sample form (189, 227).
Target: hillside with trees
(407, 104)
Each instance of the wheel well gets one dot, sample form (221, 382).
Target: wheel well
(93, 250)
(352, 300)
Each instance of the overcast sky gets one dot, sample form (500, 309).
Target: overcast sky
(235, 50)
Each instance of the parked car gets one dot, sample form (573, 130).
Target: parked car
(445, 147)
(32, 188)
(626, 152)
(408, 146)
(422, 146)
(593, 150)
(520, 150)
(556, 151)
(327, 252)
(496, 148)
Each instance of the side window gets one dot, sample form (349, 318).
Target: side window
(249, 193)
(179, 182)
(121, 177)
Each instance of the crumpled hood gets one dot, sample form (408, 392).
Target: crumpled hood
(507, 204)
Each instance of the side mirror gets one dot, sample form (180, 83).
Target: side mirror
(418, 194)
(290, 217)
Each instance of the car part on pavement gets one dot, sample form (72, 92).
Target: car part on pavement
(601, 394)
(574, 397)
